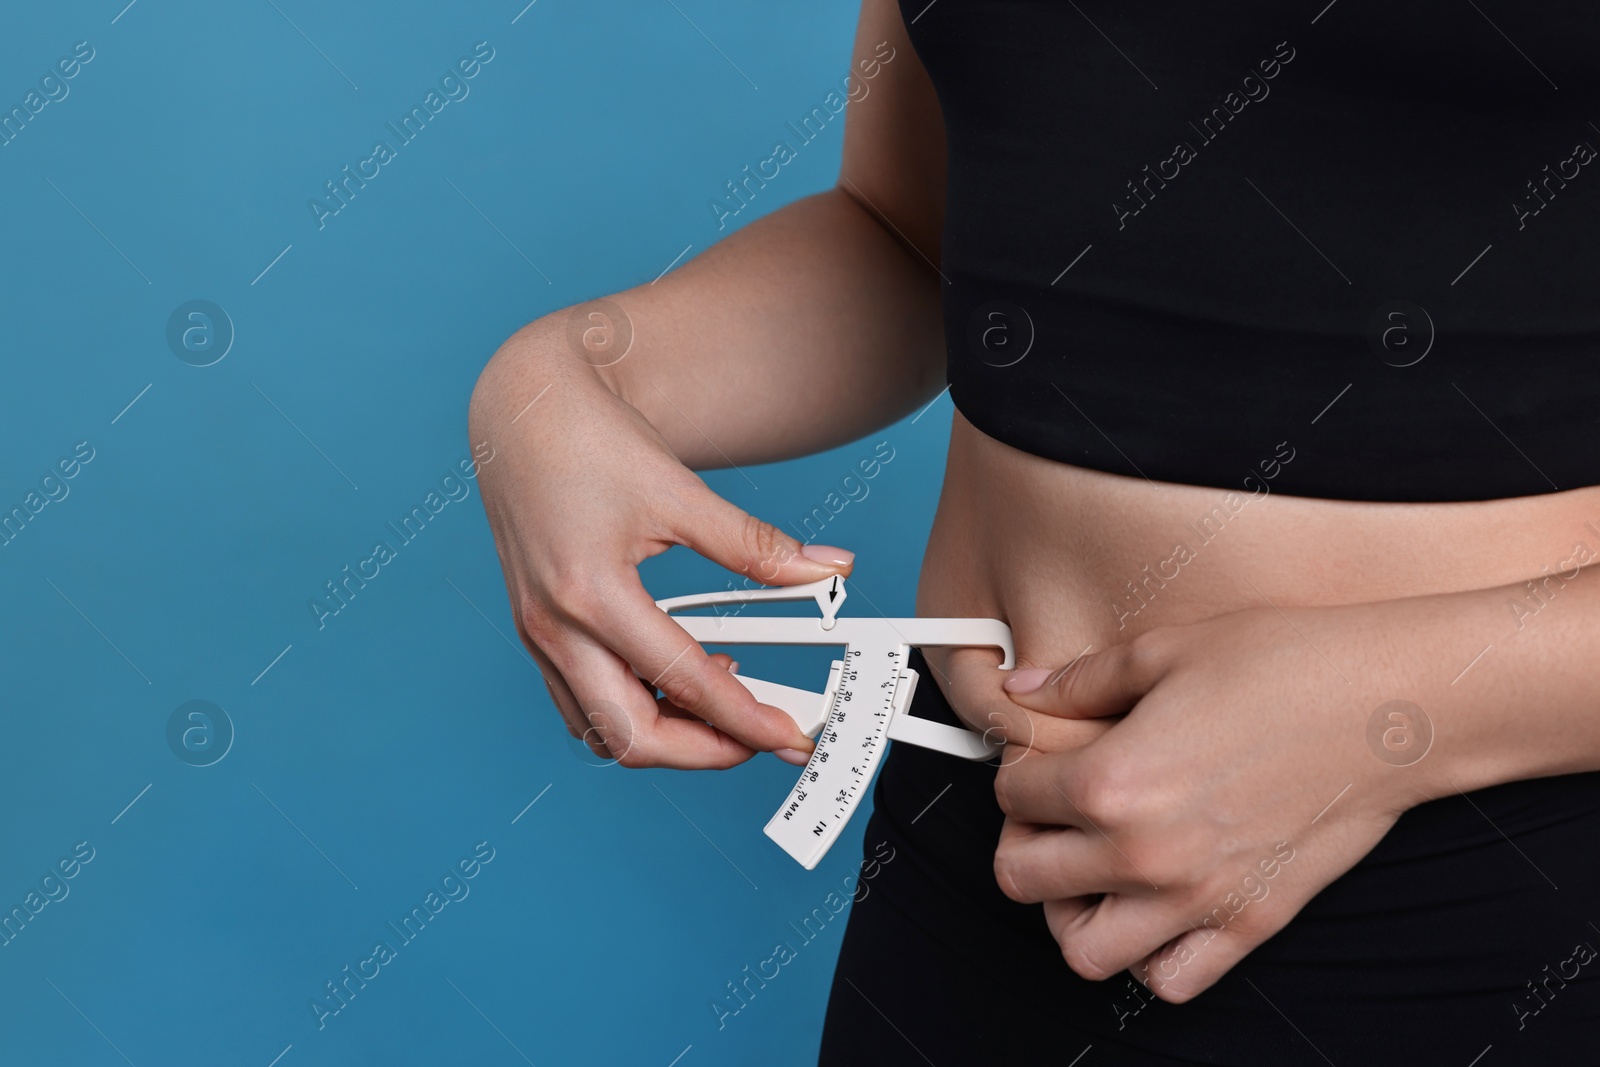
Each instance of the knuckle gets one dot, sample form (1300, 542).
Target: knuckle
(612, 729)
(1085, 671)
(764, 543)
(1105, 797)
(1005, 791)
(581, 600)
(635, 756)
(1174, 993)
(684, 685)
(1085, 960)
(1152, 860)
(1066, 679)
(1007, 873)
(537, 622)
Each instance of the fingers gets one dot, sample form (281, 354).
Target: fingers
(1169, 942)
(668, 708)
(973, 683)
(633, 727)
(1116, 933)
(620, 618)
(1097, 684)
(566, 703)
(1060, 915)
(1175, 957)
(667, 658)
(726, 534)
(1100, 908)
(1192, 962)
(1034, 863)
(1052, 789)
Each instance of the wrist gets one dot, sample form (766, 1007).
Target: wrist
(530, 362)
(596, 338)
(1451, 684)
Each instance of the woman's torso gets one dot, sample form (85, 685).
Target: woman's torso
(1074, 558)
(1345, 355)
(1293, 314)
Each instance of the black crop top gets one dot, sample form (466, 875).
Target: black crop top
(1353, 244)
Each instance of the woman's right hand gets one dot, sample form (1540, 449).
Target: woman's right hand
(580, 488)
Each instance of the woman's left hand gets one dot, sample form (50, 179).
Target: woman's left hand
(1240, 782)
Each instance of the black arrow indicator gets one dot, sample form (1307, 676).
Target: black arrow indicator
(834, 592)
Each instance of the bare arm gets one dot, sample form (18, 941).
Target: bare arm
(809, 327)
(805, 329)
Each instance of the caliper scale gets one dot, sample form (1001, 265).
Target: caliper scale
(863, 706)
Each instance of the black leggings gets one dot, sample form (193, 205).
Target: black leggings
(1467, 927)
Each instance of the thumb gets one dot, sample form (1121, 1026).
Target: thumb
(1094, 685)
(726, 534)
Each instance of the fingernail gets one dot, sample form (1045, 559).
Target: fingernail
(733, 668)
(793, 755)
(1026, 680)
(834, 557)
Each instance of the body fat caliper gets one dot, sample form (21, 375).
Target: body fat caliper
(865, 703)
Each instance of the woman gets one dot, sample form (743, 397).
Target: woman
(1298, 492)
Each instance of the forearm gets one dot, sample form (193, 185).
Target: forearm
(1509, 677)
(808, 328)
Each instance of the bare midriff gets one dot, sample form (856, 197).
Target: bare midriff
(1077, 559)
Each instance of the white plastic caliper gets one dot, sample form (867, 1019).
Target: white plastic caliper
(866, 700)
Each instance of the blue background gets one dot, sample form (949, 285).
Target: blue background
(373, 754)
